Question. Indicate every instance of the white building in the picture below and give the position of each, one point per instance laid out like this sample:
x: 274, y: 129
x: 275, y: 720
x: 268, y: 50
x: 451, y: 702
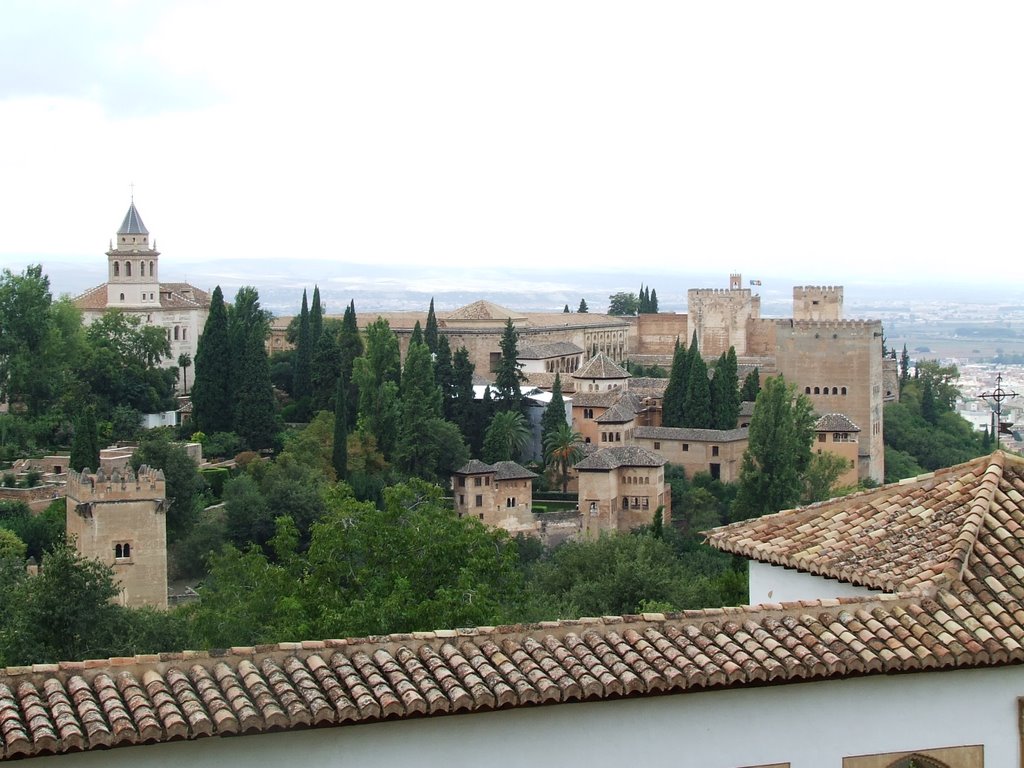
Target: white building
x: 919, y: 662
x: 133, y: 285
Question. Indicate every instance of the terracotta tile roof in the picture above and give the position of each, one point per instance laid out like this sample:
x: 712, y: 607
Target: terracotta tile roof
x: 509, y: 470
x: 502, y: 470
x: 623, y: 412
x: 94, y: 298
x: 483, y: 310
x: 600, y: 366
x: 929, y: 529
x: 544, y: 350
x: 620, y: 456
x: 694, y: 435
x: 835, y: 422
x: 604, y: 399
x: 965, y: 523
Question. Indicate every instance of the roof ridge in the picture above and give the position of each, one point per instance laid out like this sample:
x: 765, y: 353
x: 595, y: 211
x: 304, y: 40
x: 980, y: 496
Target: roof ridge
x: 988, y: 483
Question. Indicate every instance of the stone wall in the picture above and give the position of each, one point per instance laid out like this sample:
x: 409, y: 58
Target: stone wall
x: 720, y: 316
x: 657, y: 334
x: 119, y: 519
x: 818, y: 302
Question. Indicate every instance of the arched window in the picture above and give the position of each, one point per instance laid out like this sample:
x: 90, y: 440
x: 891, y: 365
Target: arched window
x: 142, y: 269
x: 127, y: 550
x: 817, y: 390
x: 128, y: 269
x: 177, y: 331
x: 152, y: 273
x: 835, y: 390
x: 117, y: 269
x: 843, y: 390
x: 122, y: 297
x: 184, y: 333
x: 807, y: 390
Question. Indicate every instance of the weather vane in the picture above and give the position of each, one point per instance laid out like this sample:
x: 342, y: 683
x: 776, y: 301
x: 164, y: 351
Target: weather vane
x: 997, y: 396
x: 132, y: 185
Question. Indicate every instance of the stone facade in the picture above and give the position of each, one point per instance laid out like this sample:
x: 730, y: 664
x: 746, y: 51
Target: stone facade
x: 836, y: 434
x: 133, y: 286
x: 719, y: 452
x: 499, y: 495
x: 818, y: 302
x: 119, y: 519
x: 719, y: 317
x: 620, y: 489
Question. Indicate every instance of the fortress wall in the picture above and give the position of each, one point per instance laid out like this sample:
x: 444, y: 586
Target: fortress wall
x: 833, y: 355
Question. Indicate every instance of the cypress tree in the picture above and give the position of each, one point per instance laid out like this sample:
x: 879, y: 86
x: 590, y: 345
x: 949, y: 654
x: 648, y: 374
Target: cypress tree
x: 316, y: 319
x: 325, y: 370
x: 725, y: 391
x: 444, y: 376
x: 509, y: 376
x: 583, y: 309
x: 339, y: 452
x: 566, y: 309
x: 417, y: 334
x: 697, y: 405
x: 554, y: 414
x: 675, y: 391
x: 85, y: 445
x: 751, y: 386
x: 214, y: 372
x: 652, y: 301
x: 350, y: 346
x: 420, y: 406
x: 301, y: 385
x: 463, y: 406
x: 255, y: 421
x: 430, y: 333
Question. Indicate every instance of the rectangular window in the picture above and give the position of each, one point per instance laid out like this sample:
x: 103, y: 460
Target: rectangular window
x: 821, y: 437
x: 462, y: 482
x: 479, y: 500
x: 478, y: 481
x: 686, y: 446
x: 714, y: 450
x: 657, y: 445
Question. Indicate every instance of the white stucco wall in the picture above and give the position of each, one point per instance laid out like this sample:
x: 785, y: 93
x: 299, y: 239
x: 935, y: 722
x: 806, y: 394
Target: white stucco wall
x: 809, y: 725
x: 774, y: 584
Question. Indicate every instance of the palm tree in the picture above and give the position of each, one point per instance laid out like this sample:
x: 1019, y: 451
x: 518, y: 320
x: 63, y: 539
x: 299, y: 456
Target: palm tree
x: 507, y: 435
x: 184, y: 361
x: 562, y: 450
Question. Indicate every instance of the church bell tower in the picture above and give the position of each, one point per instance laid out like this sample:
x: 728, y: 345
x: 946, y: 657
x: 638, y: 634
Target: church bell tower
x: 133, y: 266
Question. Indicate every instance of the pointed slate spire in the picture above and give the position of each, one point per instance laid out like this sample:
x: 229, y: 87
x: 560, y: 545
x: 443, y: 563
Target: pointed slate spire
x: 132, y: 224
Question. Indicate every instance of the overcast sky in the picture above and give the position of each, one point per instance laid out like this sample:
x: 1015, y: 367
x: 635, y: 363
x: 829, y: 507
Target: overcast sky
x: 825, y: 139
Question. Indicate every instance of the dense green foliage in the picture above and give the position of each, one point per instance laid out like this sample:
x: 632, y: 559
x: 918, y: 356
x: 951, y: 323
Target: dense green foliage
x: 922, y: 431
x: 509, y: 376
x: 778, y: 453
x: 85, y: 444
x: 211, y: 389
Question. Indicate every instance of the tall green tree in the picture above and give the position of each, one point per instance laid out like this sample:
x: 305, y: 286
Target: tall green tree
x: 778, y: 452
x: 444, y: 375
x: 420, y: 409
x: 325, y: 369
x: 123, y: 366
x: 697, y: 405
x: 301, y: 382
x: 377, y: 375
x: 507, y: 436
x: 904, y: 367
x: 25, y: 323
x: 85, y: 445
x: 652, y: 301
x: 339, y: 451
x: 350, y: 346
x: 562, y: 449
x: 184, y: 483
x: 212, y: 388
x: 184, y: 363
x: 565, y: 310
x: 464, y: 407
x: 751, y: 386
x: 430, y: 332
x: 675, y: 391
x: 623, y: 304
x: 554, y: 413
x: 316, y: 319
x: 509, y: 376
x: 725, y: 392
x: 254, y: 414
x: 583, y: 308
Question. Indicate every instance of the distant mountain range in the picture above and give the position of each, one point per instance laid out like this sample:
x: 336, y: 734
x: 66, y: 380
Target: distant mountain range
x: 527, y: 288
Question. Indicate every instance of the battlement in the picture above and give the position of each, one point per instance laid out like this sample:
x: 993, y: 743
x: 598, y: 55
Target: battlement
x: 119, y: 485
x: 719, y: 292
x: 819, y: 290
x: 830, y: 328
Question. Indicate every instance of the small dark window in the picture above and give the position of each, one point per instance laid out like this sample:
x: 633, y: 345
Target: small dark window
x: 122, y: 297
x: 479, y: 501
x: 821, y: 437
x: 117, y: 269
x: 686, y: 446
x: 478, y: 481
x: 714, y: 450
x: 817, y: 391
x: 657, y: 445
x: 842, y: 390
x: 462, y: 482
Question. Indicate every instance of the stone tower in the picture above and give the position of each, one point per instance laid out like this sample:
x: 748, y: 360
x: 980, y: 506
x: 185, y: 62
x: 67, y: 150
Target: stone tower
x: 120, y: 520
x: 818, y: 302
x: 133, y: 267
x: 720, y: 316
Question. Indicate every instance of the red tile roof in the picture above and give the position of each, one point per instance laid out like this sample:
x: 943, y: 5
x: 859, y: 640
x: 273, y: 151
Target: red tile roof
x: 959, y: 605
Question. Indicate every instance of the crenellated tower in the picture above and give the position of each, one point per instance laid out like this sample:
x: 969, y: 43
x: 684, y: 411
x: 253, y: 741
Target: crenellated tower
x: 119, y: 519
x: 818, y: 302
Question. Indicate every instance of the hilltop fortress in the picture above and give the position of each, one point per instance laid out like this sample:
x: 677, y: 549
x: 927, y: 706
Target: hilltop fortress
x: 836, y: 363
